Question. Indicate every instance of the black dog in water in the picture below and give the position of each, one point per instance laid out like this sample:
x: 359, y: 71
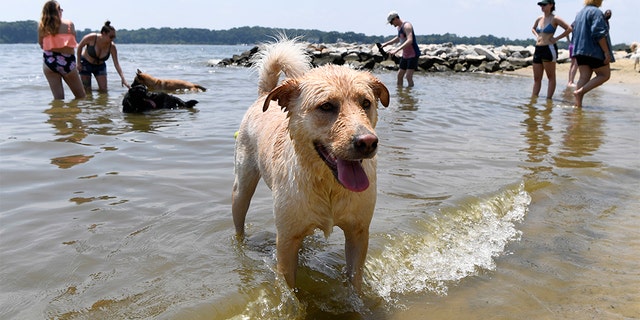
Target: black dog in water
x: 139, y: 99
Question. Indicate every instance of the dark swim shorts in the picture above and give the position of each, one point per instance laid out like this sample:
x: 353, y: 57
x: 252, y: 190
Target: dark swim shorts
x: 59, y: 62
x: 545, y: 53
x: 89, y: 68
x: 593, y: 63
x: 411, y: 63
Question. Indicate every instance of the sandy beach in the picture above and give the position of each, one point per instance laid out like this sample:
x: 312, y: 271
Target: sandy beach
x: 622, y: 75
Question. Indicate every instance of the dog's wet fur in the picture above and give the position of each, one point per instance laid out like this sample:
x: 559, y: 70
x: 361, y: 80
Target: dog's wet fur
x: 139, y: 99
x: 157, y: 84
x: 312, y: 140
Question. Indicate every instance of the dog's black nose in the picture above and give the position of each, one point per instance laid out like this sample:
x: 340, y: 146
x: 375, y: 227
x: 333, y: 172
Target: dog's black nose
x: 365, y: 144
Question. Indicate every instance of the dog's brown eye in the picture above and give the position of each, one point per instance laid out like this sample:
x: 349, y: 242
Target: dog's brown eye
x: 327, y: 107
x: 366, y: 104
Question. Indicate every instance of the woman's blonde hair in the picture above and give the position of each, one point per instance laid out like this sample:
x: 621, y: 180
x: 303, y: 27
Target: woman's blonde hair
x: 50, y: 20
x: 596, y: 3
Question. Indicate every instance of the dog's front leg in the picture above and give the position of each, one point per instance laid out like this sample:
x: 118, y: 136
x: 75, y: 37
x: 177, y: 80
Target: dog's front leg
x: 355, y: 247
x: 287, y: 255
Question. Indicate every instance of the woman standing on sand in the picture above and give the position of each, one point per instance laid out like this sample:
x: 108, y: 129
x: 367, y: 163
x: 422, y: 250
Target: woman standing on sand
x: 546, y: 53
x: 592, y: 49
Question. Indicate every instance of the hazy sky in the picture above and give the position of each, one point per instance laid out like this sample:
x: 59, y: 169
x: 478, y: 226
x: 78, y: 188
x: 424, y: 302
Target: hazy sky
x: 502, y: 18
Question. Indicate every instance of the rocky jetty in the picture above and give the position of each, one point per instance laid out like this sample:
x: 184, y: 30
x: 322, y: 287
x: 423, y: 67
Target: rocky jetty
x: 434, y: 57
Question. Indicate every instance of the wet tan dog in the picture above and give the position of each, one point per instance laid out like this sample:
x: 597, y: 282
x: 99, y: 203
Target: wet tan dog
x: 164, y: 84
x: 316, y: 150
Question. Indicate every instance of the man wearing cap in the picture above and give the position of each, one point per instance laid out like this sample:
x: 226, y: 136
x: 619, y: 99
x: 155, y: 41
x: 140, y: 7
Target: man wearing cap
x: 408, y: 45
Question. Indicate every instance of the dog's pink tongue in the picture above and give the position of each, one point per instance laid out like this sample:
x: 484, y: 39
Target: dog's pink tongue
x: 352, y: 175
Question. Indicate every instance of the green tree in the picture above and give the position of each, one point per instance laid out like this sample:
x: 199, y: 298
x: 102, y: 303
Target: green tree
x: 19, y: 32
x: 27, y: 32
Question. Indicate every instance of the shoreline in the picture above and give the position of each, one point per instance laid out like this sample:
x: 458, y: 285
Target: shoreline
x: 502, y: 60
x: 624, y: 79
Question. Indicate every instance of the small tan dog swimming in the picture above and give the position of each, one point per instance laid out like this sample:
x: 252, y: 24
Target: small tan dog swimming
x: 312, y: 141
x: 154, y: 83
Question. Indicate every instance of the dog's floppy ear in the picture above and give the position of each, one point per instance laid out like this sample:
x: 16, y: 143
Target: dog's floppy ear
x: 381, y: 91
x: 284, y: 93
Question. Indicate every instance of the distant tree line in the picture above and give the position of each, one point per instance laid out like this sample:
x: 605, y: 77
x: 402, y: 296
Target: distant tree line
x: 27, y: 32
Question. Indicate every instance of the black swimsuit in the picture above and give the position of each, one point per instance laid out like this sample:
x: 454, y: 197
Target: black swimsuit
x: 91, y: 51
x: 88, y: 68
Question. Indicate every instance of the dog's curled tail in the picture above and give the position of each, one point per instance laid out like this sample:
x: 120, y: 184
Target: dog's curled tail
x: 284, y: 55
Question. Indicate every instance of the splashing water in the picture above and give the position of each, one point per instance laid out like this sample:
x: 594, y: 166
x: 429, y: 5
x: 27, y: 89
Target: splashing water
x: 458, y: 243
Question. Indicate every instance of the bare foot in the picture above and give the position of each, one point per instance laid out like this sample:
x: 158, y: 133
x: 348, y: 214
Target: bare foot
x: 578, y: 95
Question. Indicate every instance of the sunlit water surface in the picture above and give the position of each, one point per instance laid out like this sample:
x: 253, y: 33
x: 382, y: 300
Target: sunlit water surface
x: 491, y: 205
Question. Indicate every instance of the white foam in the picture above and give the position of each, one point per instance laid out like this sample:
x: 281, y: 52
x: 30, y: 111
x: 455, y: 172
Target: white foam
x: 456, y: 244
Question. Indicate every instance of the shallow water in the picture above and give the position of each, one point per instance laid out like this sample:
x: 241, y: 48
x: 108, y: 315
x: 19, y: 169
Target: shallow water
x: 490, y: 205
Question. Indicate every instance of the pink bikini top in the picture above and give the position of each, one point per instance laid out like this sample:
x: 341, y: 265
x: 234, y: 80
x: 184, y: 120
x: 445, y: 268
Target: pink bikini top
x: 60, y: 40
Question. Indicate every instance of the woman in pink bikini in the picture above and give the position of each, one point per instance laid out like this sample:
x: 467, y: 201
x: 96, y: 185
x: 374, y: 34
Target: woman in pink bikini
x: 57, y: 38
x: 546, y: 52
x: 93, y: 52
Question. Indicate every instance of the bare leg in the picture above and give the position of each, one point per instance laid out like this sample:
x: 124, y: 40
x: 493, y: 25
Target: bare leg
x: 401, y: 73
x: 75, y: 84
x: 55, y: 82
x: 550, y: 70
x: 573, y: 69
x: 583, y: 78
x: 410, y: 77
x: 86, y: 82
x: 538, y: 71
x: 585, y: 84
x: 102, y: 83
